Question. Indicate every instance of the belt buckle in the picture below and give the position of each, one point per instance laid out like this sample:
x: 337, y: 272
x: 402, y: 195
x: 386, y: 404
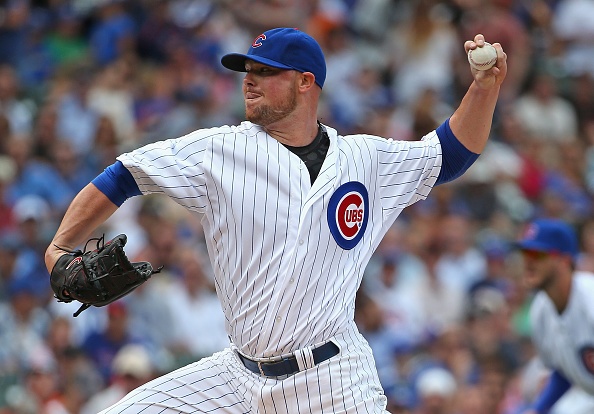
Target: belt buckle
x: 260, y: 369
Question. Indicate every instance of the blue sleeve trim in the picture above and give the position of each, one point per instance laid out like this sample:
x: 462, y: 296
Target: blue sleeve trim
x: 117, y: 183
x: 456, y: 158
x: 555, y: 388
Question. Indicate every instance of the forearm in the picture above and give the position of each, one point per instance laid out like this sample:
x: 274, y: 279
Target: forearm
x: 471, y: 122
x: 89, y: 209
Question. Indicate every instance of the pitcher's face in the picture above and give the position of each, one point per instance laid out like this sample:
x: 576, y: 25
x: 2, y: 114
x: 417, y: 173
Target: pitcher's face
x: 270, y: 94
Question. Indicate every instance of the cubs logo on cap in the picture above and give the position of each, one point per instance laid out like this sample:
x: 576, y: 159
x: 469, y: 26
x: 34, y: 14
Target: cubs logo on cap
x: 550, y: 235
x: 258, y: 40
x: 348, y: 213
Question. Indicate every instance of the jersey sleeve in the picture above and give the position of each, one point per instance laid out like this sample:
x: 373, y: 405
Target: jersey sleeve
x: 456, y: 157
x: 172, y: 167
x: 538, y: 327
x: 117, y: 183
x: 585, y: 285
x: 407, y: 170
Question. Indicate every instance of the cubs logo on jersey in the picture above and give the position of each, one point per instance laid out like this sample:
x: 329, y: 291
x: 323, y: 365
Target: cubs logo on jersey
x: 348, y: 212
x: 587, y: 354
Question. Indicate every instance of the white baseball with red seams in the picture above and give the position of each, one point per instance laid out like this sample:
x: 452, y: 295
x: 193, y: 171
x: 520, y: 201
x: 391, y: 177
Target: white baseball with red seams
x: 483, y: 58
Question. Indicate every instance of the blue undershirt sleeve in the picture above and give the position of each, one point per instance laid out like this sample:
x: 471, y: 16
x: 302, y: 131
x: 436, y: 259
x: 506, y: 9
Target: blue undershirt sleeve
x: 117, y: 183
x: 456, y: 158
x: 555, y: 388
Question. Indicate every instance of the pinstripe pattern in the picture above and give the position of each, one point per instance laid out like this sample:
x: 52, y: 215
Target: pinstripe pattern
x: 283, y: 281
x: 559, y: 338
x: 220, y: 384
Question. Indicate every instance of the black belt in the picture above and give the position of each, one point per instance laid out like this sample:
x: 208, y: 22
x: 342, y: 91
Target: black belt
x: 288, y: 365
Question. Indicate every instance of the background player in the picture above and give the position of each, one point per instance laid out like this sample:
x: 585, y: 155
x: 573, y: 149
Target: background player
x: 562, y: 313
x: 292, y: 212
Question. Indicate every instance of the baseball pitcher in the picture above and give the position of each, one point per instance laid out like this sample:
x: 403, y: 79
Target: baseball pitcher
x: 292, y: 211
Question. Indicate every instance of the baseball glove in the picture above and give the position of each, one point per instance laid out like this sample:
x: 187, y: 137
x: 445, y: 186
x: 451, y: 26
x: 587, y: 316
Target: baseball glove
x: 98, y: 277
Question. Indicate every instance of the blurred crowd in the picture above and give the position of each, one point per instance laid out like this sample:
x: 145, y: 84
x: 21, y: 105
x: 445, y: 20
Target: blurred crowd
x: 442, y: 302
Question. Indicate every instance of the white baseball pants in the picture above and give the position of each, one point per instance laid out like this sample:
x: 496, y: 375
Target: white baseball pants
x: 345, y: 383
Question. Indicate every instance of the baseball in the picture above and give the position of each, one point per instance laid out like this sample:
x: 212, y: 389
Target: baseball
x: 483, y: 58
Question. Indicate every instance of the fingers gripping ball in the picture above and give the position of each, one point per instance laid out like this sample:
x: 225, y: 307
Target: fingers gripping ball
x: 483, y: 58
x: 98, y: 277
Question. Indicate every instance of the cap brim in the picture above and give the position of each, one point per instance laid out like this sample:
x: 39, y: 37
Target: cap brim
x: 236, y: 62
x: 533, y: 245
x: 540, y: 247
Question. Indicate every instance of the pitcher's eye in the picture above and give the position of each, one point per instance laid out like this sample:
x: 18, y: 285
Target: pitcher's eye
x: 262, y: 70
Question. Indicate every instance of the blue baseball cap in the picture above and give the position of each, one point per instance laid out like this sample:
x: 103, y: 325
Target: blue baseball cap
x: 283, y: 48
x: 551, y: 236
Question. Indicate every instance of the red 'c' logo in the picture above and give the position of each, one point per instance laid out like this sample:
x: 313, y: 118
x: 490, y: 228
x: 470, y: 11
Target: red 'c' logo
x: 349, y: 214
x: 258, y: 40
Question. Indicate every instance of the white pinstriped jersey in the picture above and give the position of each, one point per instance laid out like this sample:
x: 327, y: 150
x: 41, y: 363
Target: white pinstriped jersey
x: 274, y: 239
x: 565, y: 341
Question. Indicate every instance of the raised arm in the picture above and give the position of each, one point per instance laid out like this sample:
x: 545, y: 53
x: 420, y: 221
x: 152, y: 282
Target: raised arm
x: 471, y: 122
x: 89, y: 209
